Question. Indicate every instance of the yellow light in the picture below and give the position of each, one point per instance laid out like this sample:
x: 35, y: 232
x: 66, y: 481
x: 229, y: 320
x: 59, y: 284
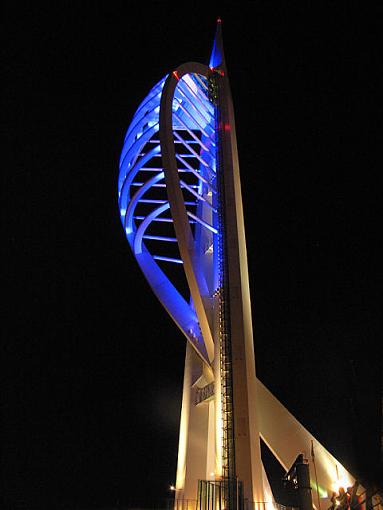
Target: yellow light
x: 342, y: 482
x: 172, y: 488
x: 341, y: 479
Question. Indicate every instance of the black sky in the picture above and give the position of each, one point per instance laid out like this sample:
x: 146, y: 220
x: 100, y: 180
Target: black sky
x: 93, y: 371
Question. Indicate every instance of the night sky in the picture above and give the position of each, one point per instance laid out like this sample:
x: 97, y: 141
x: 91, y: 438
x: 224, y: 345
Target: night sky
x: 93, y: 364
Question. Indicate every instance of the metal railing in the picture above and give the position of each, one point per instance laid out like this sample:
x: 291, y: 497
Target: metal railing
x: 183, y: 504
x: 205, y: 393
x: 367, y: 500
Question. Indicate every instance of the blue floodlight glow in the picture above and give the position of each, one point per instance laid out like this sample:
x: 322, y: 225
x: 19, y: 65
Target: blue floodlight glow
x: 143, y: 201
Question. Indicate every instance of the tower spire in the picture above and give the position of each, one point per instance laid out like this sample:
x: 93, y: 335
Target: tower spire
x: 217, y: 57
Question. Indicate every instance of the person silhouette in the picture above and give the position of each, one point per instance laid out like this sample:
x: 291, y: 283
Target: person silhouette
x: 343, y: 499
x: 333, y: 502
x: 352, y: 497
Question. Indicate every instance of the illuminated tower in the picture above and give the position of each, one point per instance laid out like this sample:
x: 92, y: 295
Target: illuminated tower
x: 181, y: 209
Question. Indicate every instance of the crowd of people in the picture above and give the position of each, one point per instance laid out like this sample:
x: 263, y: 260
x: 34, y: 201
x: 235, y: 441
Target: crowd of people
x: 344, y: 500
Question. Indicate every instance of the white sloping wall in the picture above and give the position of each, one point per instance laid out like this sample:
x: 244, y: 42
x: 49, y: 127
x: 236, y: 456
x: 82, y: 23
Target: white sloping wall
x: 286, y: 438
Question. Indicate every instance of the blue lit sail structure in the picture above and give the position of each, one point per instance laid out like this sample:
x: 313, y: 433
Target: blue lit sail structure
x: 181, y: 208
x: 143, y: 201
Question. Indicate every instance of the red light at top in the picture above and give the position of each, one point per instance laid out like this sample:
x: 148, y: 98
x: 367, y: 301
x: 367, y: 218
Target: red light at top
x: 219, y: 20
x: 175, y: 74
x: 218, y: 71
